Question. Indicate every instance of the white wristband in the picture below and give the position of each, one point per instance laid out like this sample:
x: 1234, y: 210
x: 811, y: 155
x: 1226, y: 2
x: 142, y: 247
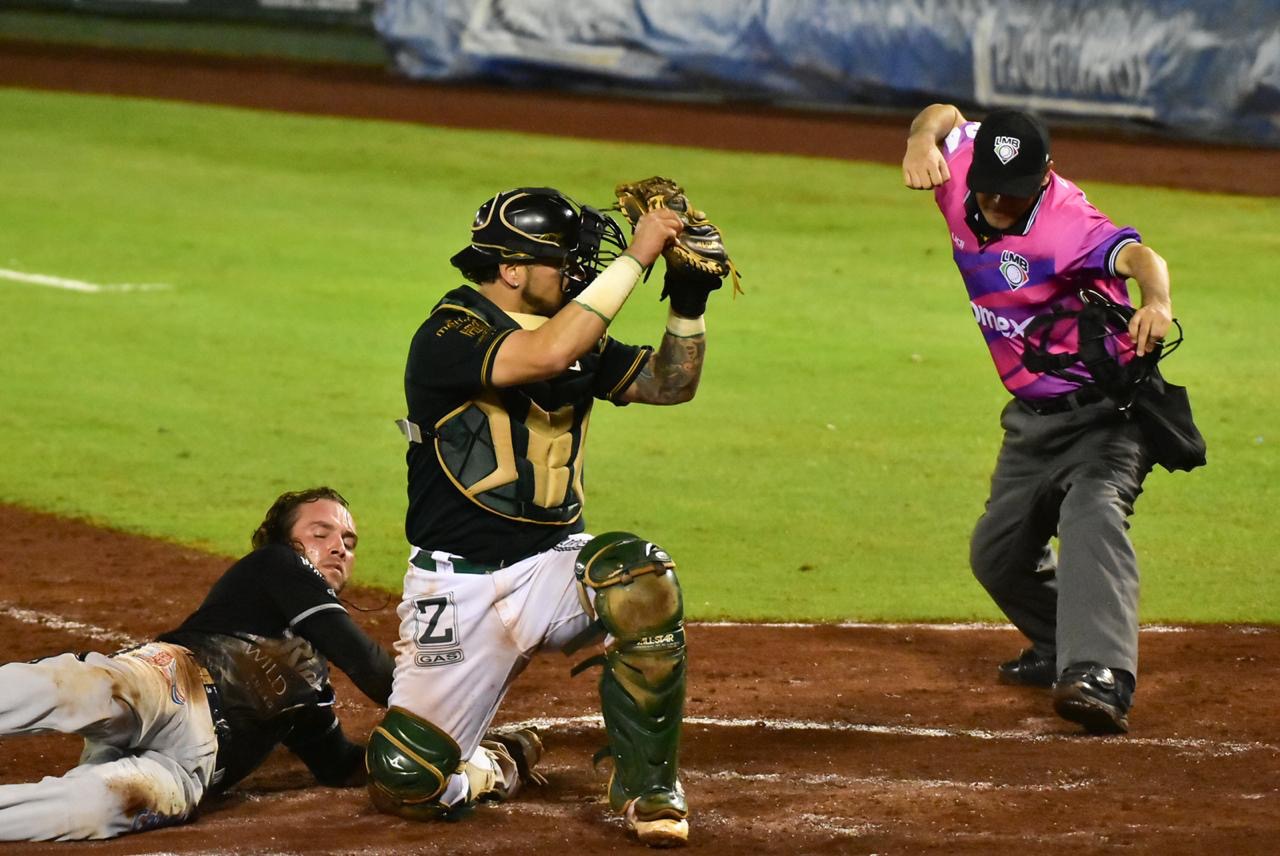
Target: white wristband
x: 685, y: 328
x: 608, y: 291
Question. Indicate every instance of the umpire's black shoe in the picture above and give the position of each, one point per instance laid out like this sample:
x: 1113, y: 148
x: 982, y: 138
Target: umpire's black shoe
x: 1031, y: 669
x: 1094, y: 696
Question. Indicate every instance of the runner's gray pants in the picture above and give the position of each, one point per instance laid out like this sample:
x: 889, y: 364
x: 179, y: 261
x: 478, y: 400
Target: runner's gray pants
x: 150, y: 744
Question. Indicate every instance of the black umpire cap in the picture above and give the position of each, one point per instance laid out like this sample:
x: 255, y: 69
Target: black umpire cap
x: 1010, y: 153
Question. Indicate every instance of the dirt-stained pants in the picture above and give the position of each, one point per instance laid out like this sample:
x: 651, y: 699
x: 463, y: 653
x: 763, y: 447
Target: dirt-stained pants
x: 149, y: 749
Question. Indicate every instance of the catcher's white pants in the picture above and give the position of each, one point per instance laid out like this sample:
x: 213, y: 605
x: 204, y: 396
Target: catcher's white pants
x: 149, y: 747
x: 464, y: 638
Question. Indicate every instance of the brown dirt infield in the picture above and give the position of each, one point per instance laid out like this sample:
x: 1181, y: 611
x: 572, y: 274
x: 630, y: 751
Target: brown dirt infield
x: 809, y: 739
x: 814, y: 739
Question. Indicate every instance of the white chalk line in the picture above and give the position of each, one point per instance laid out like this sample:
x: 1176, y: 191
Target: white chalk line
x: 1213, y: 748
x: 67, y: 284
x: 835, y: 826
x: 45, y: 619
x: 880, y: 783
x: 954, y: 627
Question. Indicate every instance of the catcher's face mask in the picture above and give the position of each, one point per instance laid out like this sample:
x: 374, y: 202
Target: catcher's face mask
x: 1100, y: 359
x: 600, y: 241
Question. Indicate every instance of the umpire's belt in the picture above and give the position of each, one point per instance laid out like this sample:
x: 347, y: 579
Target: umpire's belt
x: 422, y: 559
x: 1081, y: 397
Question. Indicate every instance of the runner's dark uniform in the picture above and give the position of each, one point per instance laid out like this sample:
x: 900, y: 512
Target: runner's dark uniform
x: 266, y: 633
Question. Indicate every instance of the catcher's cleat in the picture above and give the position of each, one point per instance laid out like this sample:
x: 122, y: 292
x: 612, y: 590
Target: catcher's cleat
x: 1094, y: 696
x: 659, y: 818
x: 657, y: 826
x: 524, y: 747
x: 1030, y: 669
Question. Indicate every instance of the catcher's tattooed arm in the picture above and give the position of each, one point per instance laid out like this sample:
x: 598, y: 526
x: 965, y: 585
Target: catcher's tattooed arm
x: 671, y: 374
x: 532, y: 355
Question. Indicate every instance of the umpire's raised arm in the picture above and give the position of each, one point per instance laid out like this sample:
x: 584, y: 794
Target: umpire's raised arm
x: 923, y: 167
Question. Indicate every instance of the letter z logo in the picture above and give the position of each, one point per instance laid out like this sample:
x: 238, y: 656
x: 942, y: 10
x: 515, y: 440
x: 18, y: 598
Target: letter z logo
x: 436, y: 620
x: 436, y: 632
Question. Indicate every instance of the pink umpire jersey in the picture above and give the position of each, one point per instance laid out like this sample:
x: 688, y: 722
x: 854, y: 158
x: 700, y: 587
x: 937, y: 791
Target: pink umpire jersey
x: 1063, y: 245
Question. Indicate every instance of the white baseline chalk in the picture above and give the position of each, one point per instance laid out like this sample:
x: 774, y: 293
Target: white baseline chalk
x: 66, y: 284
x: 45, y: 619
x: 1214, y: 748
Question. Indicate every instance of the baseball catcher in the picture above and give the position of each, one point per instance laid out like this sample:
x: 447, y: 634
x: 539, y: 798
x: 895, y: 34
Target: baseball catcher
x: 500, y: 381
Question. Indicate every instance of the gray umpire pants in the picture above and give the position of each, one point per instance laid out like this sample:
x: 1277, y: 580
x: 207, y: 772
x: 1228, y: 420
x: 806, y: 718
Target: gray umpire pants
x: 1075, y: 474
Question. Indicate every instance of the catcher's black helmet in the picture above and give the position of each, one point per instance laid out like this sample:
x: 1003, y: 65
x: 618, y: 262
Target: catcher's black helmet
x: 541, y: 224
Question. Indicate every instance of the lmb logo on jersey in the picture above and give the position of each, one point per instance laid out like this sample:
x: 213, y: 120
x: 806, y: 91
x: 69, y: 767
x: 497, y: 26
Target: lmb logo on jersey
x: 1014, y: 268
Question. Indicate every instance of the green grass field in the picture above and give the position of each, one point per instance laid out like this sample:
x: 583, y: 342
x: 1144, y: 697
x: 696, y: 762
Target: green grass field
x: 830, y: 468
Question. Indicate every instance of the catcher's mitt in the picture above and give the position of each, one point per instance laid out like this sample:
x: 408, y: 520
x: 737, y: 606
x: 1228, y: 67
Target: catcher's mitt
x: 699, y: 248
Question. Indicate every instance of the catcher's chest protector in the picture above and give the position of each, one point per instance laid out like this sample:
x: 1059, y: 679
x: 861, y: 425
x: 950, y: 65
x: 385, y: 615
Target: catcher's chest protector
x: 518, y: 452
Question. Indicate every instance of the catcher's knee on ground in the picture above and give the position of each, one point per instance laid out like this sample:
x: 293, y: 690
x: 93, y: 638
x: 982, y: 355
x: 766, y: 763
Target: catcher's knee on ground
x: 638, y: 603
x: 411, y: 765
x: 416, y: 771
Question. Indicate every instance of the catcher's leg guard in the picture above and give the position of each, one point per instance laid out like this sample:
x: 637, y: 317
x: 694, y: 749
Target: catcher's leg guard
x: 638, y: 603
x: 410, y: 762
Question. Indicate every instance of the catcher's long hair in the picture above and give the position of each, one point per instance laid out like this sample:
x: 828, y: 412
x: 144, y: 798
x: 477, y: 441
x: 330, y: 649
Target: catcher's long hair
x: 283, y: 513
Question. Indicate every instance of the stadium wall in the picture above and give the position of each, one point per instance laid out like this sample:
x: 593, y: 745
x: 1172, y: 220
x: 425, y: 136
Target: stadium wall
x: 1181, y: 68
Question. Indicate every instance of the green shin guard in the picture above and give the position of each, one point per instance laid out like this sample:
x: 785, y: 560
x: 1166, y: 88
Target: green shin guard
x: 642, y: 697
x: 638, y: 603
x: 409, y: 762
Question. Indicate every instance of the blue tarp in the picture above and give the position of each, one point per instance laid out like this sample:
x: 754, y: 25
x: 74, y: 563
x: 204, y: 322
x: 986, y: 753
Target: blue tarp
x: 1204, y: 70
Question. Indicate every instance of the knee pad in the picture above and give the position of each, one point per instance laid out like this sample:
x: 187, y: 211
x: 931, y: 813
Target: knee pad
x: 410, y: 762
x: 638, y: 602
x: 637, y: 596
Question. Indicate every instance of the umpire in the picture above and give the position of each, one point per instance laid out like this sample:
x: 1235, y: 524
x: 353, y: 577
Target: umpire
x: 1035, y: 255
x: 171, y: 722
